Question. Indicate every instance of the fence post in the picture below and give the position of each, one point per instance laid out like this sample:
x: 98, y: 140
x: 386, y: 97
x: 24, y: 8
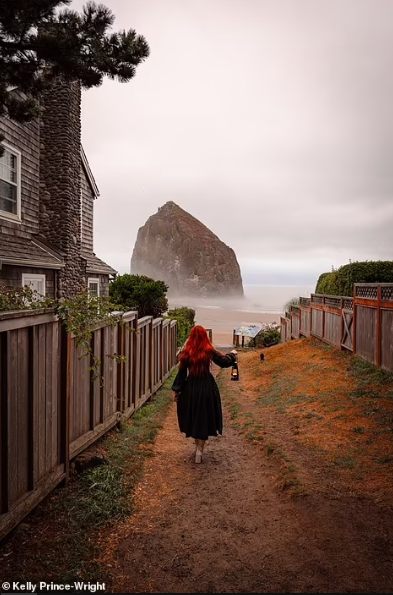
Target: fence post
x: 170, y: 340
x: 92, y: 383
x: 354, y: 321
x: 176, y: 343
x: 120, y: 366
x: 151, y: 356
x: 341, y: 325
x: 4, y: 404
x: 174, y: 346
x: 65, y: 395
x: 161, y: 352
x: 136, y: 363
x: 379, y: 324
x: 32, y: 406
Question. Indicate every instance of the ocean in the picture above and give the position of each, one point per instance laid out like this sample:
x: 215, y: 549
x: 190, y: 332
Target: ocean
x: 261, y: 304
x: 268, y: 299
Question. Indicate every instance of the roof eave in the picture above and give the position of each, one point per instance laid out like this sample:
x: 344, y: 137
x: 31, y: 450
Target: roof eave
x: 89, y: 174
x: 101, y: 271
x: 32, y: 263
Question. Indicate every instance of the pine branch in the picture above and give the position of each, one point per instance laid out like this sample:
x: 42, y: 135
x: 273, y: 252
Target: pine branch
x: 38, y: 43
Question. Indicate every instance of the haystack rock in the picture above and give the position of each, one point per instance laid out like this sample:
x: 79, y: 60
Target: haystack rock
x: 175, y: 247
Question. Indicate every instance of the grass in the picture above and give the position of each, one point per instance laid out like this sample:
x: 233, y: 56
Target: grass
x: 335, y: 409
x: 346, y: 462
x: 270, y: 448
x: 95, y: 499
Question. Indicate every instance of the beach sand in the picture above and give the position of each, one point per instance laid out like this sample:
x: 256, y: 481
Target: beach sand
x: 223, y: 322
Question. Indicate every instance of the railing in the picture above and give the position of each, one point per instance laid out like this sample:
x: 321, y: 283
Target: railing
x: 53, y: 405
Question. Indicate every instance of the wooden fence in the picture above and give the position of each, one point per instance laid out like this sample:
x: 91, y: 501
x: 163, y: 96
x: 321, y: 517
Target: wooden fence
x: 53, y: 405
x: 362, y: 324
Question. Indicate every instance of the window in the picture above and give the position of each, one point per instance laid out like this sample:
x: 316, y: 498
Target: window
x: 10, y: 183
x: 94, y: 287
x: 36, y: 282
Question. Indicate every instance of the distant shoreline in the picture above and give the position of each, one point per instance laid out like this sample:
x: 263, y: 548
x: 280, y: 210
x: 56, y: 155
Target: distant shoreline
x: 261, y: 304
x: 223, y: 321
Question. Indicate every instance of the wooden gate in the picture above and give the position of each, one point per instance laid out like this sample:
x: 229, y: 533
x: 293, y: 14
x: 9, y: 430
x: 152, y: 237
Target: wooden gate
x: 347, y: 324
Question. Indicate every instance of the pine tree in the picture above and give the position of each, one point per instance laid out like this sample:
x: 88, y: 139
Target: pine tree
x: 43, y: 39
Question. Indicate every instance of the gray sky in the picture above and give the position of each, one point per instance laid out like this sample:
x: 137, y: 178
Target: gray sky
x: 268, y: 120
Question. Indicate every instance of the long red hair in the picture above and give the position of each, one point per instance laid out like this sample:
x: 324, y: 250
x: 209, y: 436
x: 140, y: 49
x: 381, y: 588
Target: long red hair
x: 198, y: 352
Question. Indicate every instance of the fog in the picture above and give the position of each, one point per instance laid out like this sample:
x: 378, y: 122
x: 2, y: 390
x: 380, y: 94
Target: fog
x: 268, y: 120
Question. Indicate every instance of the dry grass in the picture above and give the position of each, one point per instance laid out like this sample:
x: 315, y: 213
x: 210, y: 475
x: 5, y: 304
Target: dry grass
x: 309, y: 398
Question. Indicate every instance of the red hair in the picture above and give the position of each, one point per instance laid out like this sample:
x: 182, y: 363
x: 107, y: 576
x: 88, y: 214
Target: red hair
x: 198, y: 352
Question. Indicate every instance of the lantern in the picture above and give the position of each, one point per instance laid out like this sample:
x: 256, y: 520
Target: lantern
x: 235, y: 371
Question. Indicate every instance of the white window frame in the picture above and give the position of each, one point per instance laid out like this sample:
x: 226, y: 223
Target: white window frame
x: 4, y: 214
x: 36, y: 277
x: 94, y: 280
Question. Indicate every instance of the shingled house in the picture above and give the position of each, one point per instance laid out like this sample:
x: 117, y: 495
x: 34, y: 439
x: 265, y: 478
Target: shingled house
x: 47, y: 194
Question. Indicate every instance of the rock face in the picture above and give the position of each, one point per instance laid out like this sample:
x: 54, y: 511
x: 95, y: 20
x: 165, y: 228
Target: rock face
x: 176, y: 248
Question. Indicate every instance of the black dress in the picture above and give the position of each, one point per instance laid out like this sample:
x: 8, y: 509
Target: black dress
x: 199, y: 405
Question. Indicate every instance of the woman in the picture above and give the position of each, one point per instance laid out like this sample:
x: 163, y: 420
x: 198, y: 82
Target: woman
x: 196, y: 392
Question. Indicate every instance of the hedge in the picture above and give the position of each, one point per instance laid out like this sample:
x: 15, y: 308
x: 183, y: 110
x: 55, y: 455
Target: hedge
x: 185, y: 321
x: 341, y: 282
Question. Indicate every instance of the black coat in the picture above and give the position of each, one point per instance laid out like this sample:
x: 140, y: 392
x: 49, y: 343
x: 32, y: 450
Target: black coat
x: 199, y: 410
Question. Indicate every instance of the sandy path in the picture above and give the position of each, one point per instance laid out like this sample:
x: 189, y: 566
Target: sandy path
x: 222, y: 527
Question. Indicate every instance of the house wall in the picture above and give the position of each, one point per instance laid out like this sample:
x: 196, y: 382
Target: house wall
x: 87, y: 214
x: 60, y: 181
x: 11, y: 277
x: 26, y: 139
x: 104, y: 285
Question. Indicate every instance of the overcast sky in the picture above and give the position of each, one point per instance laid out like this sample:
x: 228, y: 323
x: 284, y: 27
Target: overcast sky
x: 268, y: 120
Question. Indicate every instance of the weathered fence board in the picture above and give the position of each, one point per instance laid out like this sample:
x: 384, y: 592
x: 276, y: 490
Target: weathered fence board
x: 295, y: 319
x: 387, y: 339
x: 332, y: 328
x: 316, y: 323
x: 283, y: 329
x: 366, y: 325
x: 52, y: 403
x: 131, y: 372
x: 305, y: 317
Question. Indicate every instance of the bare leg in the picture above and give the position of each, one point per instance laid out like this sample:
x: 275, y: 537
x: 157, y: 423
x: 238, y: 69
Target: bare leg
x: 199, y: 450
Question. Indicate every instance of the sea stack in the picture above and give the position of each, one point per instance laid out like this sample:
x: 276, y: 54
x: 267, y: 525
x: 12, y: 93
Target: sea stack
x: 175, y: 247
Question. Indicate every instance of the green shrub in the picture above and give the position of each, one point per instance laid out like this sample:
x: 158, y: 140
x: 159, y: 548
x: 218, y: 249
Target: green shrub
x: 341, y: 281
x: 269, y: 335
x: 139, y: 292
x: 185, y: 321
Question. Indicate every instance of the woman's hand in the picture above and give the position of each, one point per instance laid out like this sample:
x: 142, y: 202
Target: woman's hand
x: 176, y: 397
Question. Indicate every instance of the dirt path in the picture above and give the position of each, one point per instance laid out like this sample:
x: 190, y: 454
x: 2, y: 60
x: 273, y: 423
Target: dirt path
x: 223, y: 527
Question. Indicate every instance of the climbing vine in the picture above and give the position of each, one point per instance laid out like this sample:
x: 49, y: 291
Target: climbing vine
x: 78, y: 315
